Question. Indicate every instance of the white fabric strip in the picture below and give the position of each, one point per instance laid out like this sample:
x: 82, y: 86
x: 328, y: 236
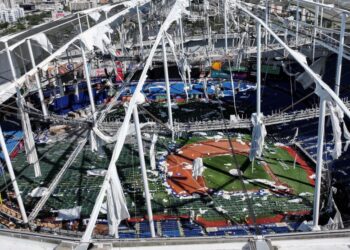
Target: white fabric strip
x: 258, y: 136
x: 43, y: 41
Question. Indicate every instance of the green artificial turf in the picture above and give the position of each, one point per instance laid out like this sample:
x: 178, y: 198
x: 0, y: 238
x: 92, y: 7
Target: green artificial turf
x: 78, y: 189
x: 282, y: 165
x: 217, y: 174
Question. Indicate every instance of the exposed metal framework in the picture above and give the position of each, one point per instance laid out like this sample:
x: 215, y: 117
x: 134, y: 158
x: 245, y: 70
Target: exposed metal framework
x: 175, y: 17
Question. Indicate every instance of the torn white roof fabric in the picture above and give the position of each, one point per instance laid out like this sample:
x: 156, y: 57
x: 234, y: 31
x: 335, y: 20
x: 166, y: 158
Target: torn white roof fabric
x: 318, y: 67
x: 198, y: 167
x: 336, y: 116
x: 38, y: 192
x: 43, y: 41
x: 114, y: 138
x: 96, y: 172
x: 95, y: 15
x: 116, y: 204
x: 152, y: 154
x: 69, y: 214
x: 96, y: 37
x: 346, y: 134
x: 258, y: 136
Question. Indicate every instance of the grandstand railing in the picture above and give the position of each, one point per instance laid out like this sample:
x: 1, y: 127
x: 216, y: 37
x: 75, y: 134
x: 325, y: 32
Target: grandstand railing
x: 273, y: 119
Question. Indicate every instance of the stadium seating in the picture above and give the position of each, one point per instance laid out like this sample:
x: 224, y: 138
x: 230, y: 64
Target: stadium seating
x: 13, y: 136
x: 191, y: 229
x: 170, y: 228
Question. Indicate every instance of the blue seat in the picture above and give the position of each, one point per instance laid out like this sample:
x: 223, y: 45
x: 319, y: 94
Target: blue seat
x: 218, y: 233
x: 127, y: 235
x: 60, y: 103
x: 281, y: 229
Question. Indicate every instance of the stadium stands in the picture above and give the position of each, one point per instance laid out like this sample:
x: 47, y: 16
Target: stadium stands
x: 13, y: 137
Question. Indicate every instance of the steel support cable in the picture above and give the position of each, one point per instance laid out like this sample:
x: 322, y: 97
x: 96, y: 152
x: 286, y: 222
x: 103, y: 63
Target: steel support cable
x: 40, y: 204
x: 15, y: 109
x: 204, y: 38
x: 235, y: 161
x: 275, y: 9
x: 51, y: 118
x: 300, y: 100
x: 266, y: 60
x: 55, y: 77
x: 22, y: 79
x: 233, y: 87
x: 281, y: 53
x: 303, y: 33
x: 36, y: 113
x: 110, y: 105
x: 316, y: 38
x: 60, y: 75
x: 164, y: 144
x: 48, y: 151
x: 297, y: 102
x: 154, y: 117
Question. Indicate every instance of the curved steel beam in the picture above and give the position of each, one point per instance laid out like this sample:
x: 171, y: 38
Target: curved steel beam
x: 174, y: 14
x: 296, y: 56
x: 10, y: 88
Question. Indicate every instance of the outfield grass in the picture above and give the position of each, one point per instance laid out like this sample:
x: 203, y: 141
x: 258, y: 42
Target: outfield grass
x: 281, y: 164
x: 217, y: 174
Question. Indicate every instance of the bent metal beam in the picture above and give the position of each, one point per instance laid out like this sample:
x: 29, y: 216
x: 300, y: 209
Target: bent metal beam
x: 174, y: 14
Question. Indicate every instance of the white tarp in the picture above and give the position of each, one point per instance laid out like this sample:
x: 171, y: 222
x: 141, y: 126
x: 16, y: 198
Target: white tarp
x: 140, y: 99
x: 43, y: 41
x: 258, y: 136
x: 305, y: 227
x: 104, y: 209
x: 97, y: 38
x: 346, y: 136
x: 337, y: 115
x: 116, y: 204
x: 318, y: 67
x: 96, y: 172
x: 295, y: 135
x: 198, y: 167
x: 95, y: 15
x: 299, y: 56
x: 234, y: 172
x: 93, y: 141
x: 152, y: 155
x: 179, y: 66
x: 29, y: 143
x: 69, y: 214
x: 114, y: 138
x: 337, y: 220
x: 38, y: 192
x: 174, y: 14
